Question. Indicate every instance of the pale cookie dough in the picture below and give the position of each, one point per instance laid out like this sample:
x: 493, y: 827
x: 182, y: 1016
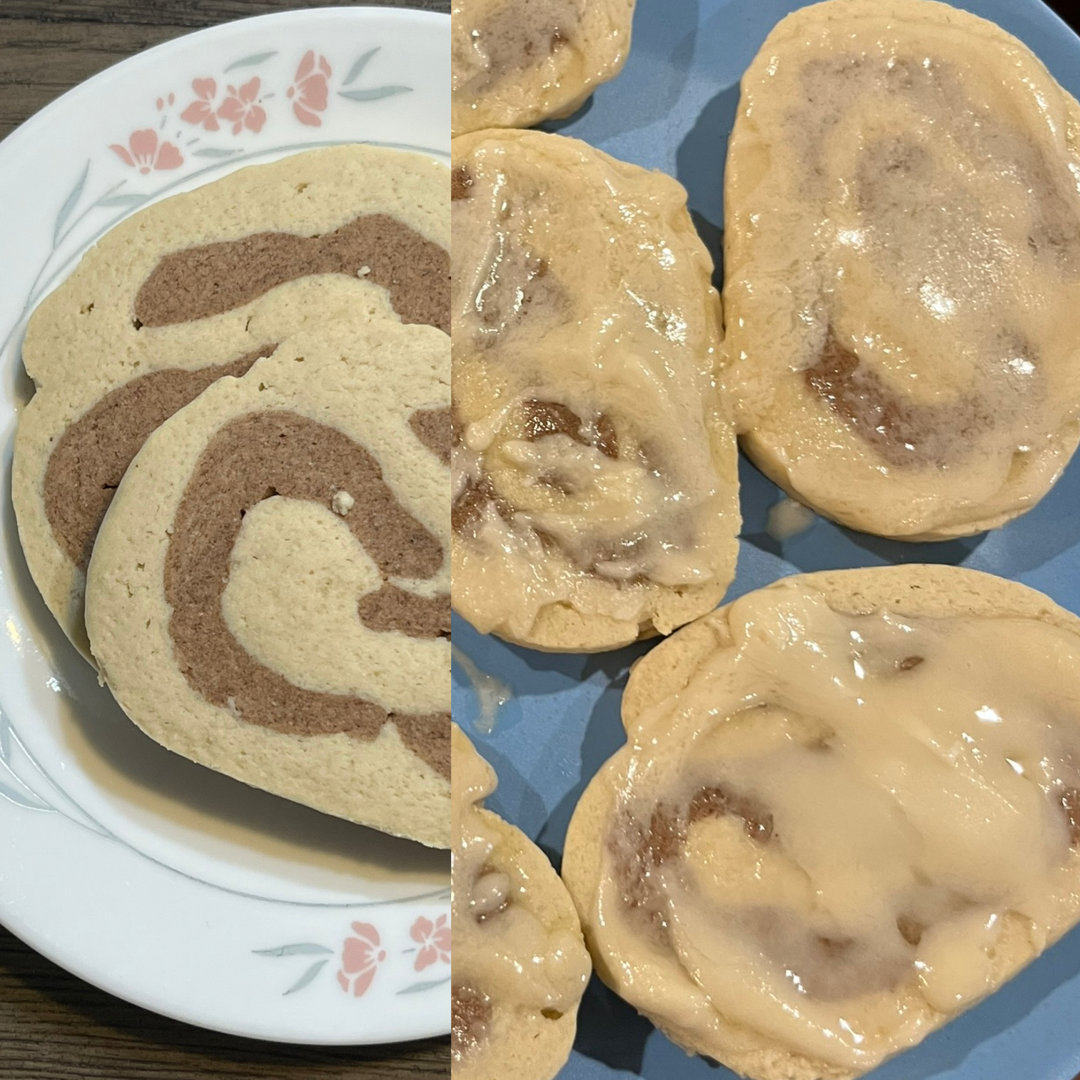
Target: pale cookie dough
x: 902, y: 268
x: 520, y: 966
x: 242, y: 620
x: 197, y: 287
x: 516, y: 62
x: 595, y: 482
x: 848, y: 809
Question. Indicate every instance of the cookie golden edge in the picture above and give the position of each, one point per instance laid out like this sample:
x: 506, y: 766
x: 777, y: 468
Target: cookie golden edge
x: 547, y: 1045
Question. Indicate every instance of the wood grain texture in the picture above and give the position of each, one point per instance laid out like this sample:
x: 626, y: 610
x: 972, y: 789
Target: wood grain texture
x: 53, y: 1026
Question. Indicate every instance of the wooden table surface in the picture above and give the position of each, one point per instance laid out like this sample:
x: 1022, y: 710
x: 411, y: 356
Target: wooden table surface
x: 53, y: 1025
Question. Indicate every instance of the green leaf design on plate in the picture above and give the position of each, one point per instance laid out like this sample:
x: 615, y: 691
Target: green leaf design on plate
x: 419, y: 987
x: 121, y: 200
x: 305, y: 948
x: 251, y: 61
x: 22, y: 794
x: 374, y: 94
x: 307, y: 978
x: 359, y: 65
x: 25, y: 798
x: 213, y: 152
x: 69, y: 204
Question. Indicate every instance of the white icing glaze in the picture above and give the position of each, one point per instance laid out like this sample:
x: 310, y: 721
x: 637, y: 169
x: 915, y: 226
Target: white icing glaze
x: 911, y: 787
x: 903, y: 186
x: 491, y: 692
x: 585, y: 335
x: 499, y: 40
x: 788, y: 518
x: 508, y: 943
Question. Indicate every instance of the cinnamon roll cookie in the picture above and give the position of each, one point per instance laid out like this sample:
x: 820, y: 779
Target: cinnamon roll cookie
x: 269, y: 590
x: 197, y: 287
x: 516, y: 62
x: 595, y: 485
x: 902, y: 259
x: 848, y: 808
x: 520, y: 966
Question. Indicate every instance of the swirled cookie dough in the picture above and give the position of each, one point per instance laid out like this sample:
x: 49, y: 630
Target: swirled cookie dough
x: 848, y: 808
x: 520, y: 966
x: 269, y: 591
x: 515, y: 63
x: 595, y: 485
x: 198, y: 287
x: 902, y: 260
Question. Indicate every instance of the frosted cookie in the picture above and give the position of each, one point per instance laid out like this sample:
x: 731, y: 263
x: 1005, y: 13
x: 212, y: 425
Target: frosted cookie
x: 520, y: 966
x: 516, y: 63
x: 197, y: 287
x: 595, y: 485
x: 902, y: 261
x: 269, y: 590
x: 848, y: 809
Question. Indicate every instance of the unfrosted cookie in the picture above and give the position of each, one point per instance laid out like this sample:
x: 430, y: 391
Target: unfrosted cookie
x: 194, y: 288
x: 848, y: 809
x: 516, y: 62
x: 902, y: 261
x: 520, y: 966
x: 269, y: 590
x: 595, y: 484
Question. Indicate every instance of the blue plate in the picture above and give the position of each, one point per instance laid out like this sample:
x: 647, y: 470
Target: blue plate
x: 672, y: 109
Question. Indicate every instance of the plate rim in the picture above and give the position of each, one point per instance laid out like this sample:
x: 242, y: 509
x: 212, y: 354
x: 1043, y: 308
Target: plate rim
x: 154, y: 51
x: 410, y: 1023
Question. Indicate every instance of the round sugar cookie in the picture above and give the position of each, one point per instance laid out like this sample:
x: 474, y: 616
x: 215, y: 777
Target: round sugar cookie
x: 848, y: 809
x: 902, y: 267
x: 516, y: 63
x: 520, y: 966
x: 269, y: 590
x: 594, y: 464
x: 197, y: 287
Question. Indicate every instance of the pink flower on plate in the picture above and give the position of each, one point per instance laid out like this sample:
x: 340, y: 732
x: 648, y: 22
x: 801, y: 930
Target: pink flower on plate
x: 201, y: 110
x: 310, y: 89
x: 360, y: 959
x: 434, y: 939
x: 145, y: 153
x: 241, y: 107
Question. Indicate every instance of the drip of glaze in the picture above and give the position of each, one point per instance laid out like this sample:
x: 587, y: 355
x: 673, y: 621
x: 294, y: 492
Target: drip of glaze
x: 491, y: 692
x: 788, y: 518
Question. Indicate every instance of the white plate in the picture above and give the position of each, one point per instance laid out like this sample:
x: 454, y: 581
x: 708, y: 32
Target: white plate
x: 157, y: 880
